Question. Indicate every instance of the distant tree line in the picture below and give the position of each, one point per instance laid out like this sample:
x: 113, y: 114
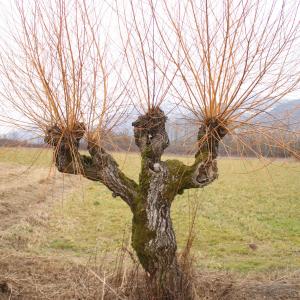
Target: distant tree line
x: 185, y: 144
x: 10, y: 142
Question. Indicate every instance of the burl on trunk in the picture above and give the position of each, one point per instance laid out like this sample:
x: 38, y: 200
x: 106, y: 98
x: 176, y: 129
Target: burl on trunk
x: 150, y: 199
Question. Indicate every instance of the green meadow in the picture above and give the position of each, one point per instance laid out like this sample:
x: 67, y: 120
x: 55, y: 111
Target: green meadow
x: 246, y: 221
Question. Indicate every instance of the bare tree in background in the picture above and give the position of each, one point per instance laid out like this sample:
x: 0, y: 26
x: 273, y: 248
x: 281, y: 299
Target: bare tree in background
x: 223, y: 62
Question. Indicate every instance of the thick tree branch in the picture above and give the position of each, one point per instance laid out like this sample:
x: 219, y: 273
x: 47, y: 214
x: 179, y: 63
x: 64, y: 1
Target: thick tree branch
x: 201, y: 173
x: 100, y: 166
x: 111, y: 176
x: 204, y: 169
x: 151, y: 138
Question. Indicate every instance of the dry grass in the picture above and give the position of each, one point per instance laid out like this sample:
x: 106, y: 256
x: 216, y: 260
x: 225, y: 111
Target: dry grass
x: 24, y: 277
x: 249, y: 203
x: 66, y: 271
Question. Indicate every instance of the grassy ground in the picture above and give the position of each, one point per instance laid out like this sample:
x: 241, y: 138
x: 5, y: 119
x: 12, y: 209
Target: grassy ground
x: 247, y: 205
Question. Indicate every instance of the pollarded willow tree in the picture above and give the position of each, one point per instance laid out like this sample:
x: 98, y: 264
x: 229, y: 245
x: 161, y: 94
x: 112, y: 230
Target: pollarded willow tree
x: 222, y: 62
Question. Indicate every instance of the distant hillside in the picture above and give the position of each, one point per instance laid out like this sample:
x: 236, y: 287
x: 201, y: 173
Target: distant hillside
x: 288, y: 105
x: 287, y: 112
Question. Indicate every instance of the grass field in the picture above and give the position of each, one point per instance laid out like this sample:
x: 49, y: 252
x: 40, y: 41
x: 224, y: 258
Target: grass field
x: 248, y: 204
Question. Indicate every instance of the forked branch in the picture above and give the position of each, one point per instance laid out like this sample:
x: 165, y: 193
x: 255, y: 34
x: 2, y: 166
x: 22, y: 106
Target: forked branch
x: 152, y: 139
x: 99, y: 166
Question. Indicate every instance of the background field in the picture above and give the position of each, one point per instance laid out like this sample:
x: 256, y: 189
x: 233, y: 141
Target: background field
x: 249, y: 206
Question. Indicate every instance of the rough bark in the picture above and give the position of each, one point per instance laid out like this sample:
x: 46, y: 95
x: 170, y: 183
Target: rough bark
x: 153, y: 237
x: 99, y: 166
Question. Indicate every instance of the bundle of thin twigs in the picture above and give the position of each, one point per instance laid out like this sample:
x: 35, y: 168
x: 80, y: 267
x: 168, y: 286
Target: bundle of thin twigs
x: 58, y: 70
x: 236, y: 60
x: 222, y: 62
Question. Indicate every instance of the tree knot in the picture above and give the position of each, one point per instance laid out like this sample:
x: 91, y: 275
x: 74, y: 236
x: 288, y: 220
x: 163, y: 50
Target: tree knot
x: 210, y: 133
x: 150, y: 133
x: 65, y: 137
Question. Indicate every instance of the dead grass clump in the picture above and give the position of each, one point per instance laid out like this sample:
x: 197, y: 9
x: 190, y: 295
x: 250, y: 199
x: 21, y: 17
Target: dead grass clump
x: 24, y: 277
x: 227, y: 286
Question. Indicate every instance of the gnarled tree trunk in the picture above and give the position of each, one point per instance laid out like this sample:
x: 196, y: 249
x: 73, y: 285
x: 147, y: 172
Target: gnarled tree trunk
x: 150, y: 200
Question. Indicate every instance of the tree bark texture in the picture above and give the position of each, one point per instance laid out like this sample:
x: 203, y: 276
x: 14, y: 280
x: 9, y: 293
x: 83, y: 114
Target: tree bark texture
x: 150, y: 199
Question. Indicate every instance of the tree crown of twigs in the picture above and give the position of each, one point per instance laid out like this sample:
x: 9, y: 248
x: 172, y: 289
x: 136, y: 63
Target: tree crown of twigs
x: 227, y: 61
